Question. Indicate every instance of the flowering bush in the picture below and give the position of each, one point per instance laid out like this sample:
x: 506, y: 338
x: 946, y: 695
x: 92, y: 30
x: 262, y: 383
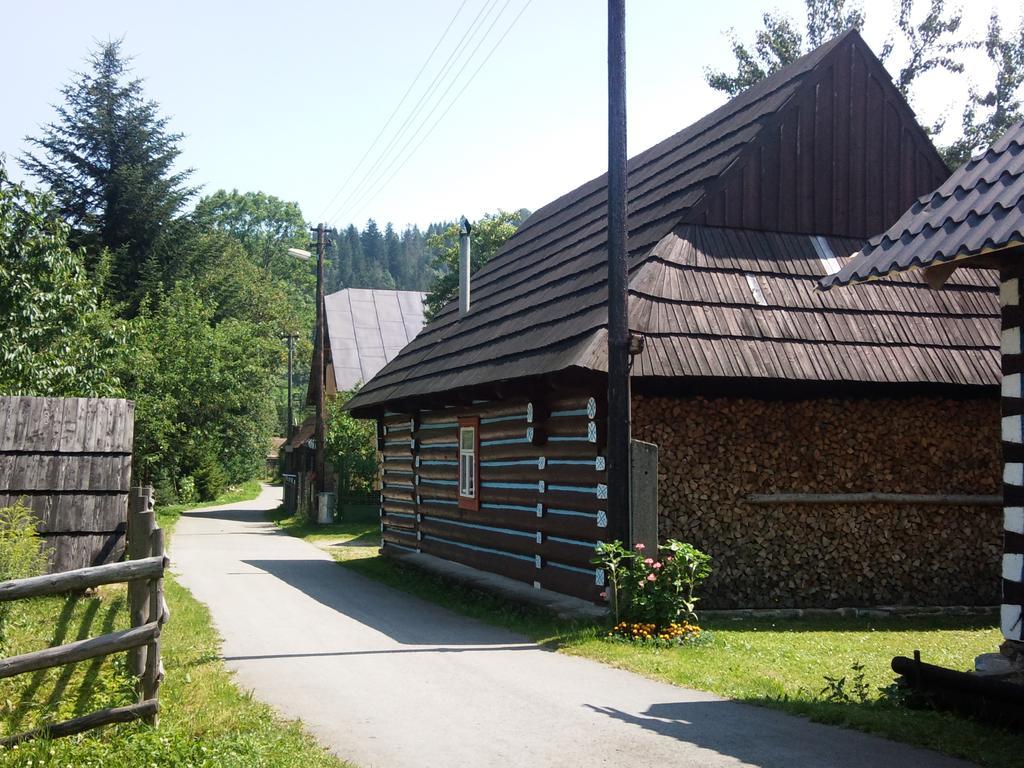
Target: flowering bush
x: 657, y: 590
x: 673, y: 634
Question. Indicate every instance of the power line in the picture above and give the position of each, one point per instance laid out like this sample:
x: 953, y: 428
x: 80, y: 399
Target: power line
x: 451, y: 104
x: 427, y: 94
x: 401, y: 101
x: 440, y: 99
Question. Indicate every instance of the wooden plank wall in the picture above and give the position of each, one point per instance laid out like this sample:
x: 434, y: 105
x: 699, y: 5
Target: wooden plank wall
x: 69, y: 460
x: 542, y: 490
x: 845, y: 157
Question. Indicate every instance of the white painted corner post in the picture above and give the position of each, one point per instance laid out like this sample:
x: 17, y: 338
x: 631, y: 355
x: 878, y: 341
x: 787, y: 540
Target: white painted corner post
x: 1012, y: 405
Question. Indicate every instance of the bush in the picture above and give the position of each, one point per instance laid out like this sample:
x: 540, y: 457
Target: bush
x: 21, y: 549
x: 21, y: 555
x: 351, y: 446
x: 187, y: 493
x: 210, y: 479
x: 653, y: 590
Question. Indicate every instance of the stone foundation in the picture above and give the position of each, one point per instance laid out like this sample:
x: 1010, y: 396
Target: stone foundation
x: 714, y: 453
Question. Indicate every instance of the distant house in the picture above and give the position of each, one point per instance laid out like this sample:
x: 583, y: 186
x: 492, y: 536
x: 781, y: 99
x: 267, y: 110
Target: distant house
x: 805, y: 438
x: 975, y: 220
x: 365, y: 330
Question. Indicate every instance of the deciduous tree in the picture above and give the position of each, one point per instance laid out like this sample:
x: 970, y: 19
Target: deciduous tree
x: 56, y: 336
x: 486, y: 238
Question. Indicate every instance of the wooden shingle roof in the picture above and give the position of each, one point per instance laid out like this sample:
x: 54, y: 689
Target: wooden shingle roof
x: 726, y: 303
x: 980, y: 208
x: 794, y: 153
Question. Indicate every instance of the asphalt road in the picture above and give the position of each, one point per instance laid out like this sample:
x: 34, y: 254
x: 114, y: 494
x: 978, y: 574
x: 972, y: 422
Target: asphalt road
x: 384, y: 679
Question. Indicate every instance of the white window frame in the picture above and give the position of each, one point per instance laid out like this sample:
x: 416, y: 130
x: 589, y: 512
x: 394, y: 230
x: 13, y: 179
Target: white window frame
x: 469, y: 464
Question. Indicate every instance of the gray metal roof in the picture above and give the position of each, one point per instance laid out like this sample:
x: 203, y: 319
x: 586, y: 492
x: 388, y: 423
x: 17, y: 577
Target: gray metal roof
x: 979, y: 209
x: 367, y: 329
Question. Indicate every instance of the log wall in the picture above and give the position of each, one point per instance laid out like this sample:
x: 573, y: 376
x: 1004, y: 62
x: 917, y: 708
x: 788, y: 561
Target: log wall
x: 69, y: 460
x: 715, y: 453
x: 542, y: 488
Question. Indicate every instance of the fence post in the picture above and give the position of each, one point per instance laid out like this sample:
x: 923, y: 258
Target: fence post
x: 141, y: 523
x: 154, y: 670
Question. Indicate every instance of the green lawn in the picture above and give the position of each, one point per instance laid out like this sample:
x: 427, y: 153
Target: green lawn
x: 779, y: 664
x: 205, y: 721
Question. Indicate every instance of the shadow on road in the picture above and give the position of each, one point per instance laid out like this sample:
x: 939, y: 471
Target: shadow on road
x: 233, y: 515
x: 759, y: 737
x: 388, y: 652
x: 403, y: 618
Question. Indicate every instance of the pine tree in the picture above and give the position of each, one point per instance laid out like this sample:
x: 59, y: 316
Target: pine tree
x: 109, y: 163
x: 393, y: 257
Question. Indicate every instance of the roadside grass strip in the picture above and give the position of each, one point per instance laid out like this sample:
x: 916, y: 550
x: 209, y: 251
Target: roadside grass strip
x: 205, y: 720
x: 782, y: 664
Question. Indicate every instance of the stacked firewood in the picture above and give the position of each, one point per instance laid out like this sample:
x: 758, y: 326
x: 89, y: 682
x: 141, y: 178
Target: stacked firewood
x: 716, y: 453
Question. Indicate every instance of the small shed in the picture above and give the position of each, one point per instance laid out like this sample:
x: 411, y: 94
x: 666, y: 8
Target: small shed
x: 770, y: 402
x: 974, y: 221
x: 69, y: 460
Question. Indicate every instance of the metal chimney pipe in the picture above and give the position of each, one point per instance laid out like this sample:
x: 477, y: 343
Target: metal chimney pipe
x: 464, y: 268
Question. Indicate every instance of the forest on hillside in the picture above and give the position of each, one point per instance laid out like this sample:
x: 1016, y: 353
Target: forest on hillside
x: 375, y: 258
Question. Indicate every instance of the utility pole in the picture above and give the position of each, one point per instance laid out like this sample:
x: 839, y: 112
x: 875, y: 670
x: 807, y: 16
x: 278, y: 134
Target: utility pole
x: 618, y: 324
x: 318, y: 437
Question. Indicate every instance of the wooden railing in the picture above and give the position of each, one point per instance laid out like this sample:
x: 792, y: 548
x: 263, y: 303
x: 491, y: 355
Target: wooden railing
x: 144, y: 574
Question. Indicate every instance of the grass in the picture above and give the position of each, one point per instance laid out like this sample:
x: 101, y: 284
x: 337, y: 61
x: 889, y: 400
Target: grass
x: 205, y: 720
x: 780, y: 664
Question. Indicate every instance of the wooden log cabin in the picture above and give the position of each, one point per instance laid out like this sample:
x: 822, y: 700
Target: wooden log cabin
x: 784, y: 416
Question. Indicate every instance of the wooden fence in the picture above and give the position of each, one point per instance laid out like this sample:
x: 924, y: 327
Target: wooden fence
x: 144, y: 574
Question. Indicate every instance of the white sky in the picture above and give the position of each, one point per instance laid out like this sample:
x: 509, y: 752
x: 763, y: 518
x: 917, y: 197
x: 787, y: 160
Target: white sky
x: 287, y: 97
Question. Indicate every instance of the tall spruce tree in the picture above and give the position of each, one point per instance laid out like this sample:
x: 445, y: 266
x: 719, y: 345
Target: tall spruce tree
x: 109, y: 161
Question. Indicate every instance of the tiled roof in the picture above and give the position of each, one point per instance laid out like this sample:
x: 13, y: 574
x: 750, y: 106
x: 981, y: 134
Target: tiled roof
x: 979, y: 209
x: 367, y: 329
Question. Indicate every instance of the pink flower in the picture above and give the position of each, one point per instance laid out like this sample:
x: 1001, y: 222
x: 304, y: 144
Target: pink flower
x: 639, y: 547
x: 648, y: 561
x: 652, y: 577
x: 656, y: 565
x: 668, y: 559
x: 603, y: 595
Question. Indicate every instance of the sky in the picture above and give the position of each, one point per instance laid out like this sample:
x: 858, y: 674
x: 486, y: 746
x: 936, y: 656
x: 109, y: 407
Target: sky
x: 289, y: 98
